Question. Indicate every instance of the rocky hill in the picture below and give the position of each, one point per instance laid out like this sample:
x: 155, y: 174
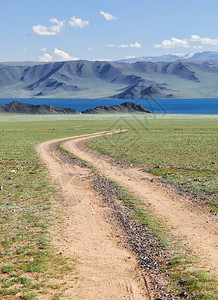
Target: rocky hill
x: 23, y: 108
x: 126, y: 107
x: 18, y: 107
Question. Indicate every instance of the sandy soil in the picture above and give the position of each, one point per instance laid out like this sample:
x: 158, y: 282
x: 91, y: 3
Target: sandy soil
x: 105, y: 269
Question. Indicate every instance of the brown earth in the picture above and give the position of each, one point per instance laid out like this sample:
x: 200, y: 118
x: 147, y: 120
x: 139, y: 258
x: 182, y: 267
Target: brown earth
x: 106, y: 270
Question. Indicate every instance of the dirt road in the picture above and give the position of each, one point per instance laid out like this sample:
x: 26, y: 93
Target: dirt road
x: 106, y: 270
x: 197, y: 229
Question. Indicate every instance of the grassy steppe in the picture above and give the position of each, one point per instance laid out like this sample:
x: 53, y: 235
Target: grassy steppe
x: 181, y: 146
x: 29, y: 266
x: 181, y: 149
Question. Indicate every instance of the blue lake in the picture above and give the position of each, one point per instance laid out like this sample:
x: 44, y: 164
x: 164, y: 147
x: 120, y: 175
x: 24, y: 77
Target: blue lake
x: 172, y: 106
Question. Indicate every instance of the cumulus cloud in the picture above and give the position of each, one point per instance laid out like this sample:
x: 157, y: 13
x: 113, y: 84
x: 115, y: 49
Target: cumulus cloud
x: 128, y: 57
x: 195, y: 41
x: 204, y: 41
x: 118, y: 46
x: 58, y: 26
x: 198, y: 47
x: 107, y: 16
x: 173, y: 43
x: 52, y: 30
x: 43, y: 49
x: 46, y: 57
x: 62, y: 55
x: 122, y: 46
x: 134, y: 45
x: 76, y: 22
x: 57, y: 55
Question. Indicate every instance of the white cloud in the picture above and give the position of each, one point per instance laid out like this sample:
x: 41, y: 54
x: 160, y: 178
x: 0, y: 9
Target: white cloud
x: 108, y: 16
x: 128, y: 57
x: 89, y: 49
x: 173, y: 43
x: 43, y: 49
x: 62, y: 55
x: 52, y: 30
x: 198, y: 47
x: 25, y: 49
x: 46, y: 57
x: 58, y: 55
x: 135, y: 45
x: 118, y: 46
x: 179, y: 54
x: 76, y: 22
x: 204, y: 41
x: 122, y: 46
x: 187, y: 43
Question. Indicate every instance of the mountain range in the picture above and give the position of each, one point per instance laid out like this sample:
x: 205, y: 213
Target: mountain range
x: 195, y: 76
x: 207, y: 55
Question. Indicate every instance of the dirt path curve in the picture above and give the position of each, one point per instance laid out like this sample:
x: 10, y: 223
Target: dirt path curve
x: 197, y: 229
x: 105, y: 269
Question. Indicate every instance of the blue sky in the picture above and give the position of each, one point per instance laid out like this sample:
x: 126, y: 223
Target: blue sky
x: 50, y: 30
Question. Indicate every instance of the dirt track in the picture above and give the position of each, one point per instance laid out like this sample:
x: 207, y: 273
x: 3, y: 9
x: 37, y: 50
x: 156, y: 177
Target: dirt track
x: 106, y: 270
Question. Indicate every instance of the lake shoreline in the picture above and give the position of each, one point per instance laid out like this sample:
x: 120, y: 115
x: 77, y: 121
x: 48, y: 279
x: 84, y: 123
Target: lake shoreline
x: 163, y: 106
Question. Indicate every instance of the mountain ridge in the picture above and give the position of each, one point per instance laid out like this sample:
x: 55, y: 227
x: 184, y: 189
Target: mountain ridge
x: 206, y: 55
x: 19, y: 107
x: 126, y: 107
x: 26, y: 108
x: 103, y: 79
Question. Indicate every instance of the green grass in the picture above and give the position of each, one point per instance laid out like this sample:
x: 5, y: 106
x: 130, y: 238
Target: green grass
x: 27, y: 259
x: 28, y: 264
x: 182, y: 150
x: 179, y: 265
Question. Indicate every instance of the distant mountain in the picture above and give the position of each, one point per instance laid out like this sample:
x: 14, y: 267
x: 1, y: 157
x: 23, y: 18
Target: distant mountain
x: 127, y: 107
x: 207, y: 55
x: 101, y: 79
x: 18, y: 107
x: 166, y: 58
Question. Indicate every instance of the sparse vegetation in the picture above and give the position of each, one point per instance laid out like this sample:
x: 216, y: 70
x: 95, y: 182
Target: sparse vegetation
x: 186, y: 280
x: 181, y: 149
x: 29, y: 265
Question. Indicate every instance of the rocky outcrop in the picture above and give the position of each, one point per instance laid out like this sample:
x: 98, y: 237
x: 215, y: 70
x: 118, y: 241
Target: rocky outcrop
x: 18, y: 107
x: 23, y: 108
x: 127, y: 107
